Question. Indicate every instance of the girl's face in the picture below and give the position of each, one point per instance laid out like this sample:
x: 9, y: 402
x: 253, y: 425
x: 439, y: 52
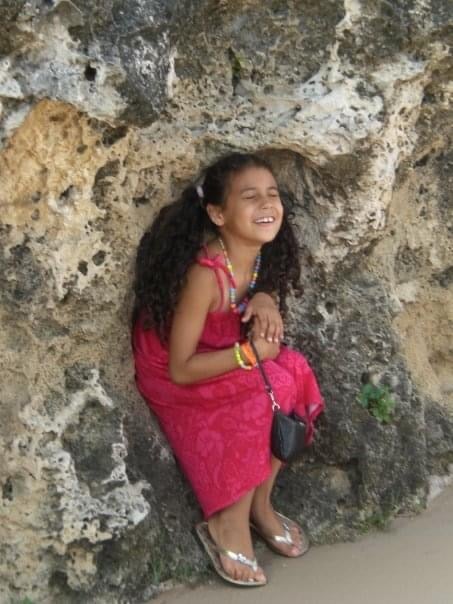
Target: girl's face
x: 253, y: 209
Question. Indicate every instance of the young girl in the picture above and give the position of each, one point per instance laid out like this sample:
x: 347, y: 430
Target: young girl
x: 199, y: 267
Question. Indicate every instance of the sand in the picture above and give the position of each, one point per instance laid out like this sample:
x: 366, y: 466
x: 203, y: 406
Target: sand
x: 410, y: 562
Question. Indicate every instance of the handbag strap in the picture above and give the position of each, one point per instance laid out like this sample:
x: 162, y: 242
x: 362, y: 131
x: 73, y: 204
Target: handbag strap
x: 267, y: 384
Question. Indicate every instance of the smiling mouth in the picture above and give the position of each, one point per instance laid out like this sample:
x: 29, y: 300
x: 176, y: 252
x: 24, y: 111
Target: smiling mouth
x: 265, y: 220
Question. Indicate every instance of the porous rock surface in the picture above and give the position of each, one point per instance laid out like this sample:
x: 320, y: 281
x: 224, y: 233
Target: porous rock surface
x: 107, y: 109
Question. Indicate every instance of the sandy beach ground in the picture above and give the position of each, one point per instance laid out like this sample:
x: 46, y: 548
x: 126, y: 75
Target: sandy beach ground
x: 410, y: 562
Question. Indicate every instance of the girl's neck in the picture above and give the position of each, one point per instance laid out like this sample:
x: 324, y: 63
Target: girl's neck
x: 241, y: 254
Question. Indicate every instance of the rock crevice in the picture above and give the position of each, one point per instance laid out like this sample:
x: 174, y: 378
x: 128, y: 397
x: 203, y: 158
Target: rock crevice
x: 107, y: 110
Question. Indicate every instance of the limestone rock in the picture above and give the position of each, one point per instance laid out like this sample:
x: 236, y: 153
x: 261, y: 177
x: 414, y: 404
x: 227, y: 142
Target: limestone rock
x: 107, y: 109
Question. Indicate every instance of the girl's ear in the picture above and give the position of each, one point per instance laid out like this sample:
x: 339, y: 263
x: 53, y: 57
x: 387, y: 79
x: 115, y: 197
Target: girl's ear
x: 215, y: 214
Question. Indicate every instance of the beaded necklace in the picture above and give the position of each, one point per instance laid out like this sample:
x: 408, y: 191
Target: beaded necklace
x: 239, y: 308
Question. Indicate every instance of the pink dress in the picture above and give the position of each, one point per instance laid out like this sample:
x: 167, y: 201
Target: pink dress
x: 219, y: 428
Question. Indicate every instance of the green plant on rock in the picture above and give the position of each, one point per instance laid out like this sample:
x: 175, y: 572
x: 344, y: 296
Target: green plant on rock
x: 377, y: 521
x: 378, y: 401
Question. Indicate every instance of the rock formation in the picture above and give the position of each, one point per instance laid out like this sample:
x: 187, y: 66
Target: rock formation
x: 107, y: 109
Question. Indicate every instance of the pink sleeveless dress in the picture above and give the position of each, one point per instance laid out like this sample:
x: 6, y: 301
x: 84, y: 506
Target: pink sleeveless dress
x: 219, y: 428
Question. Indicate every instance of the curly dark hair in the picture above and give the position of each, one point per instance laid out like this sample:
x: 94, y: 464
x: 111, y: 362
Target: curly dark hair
x: 172, y: 242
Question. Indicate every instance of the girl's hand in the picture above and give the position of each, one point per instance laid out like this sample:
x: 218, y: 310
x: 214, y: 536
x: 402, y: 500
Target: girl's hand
x: 266, y: 350
x: 267, y: 321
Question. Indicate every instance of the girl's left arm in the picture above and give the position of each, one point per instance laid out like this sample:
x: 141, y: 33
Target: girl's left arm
x: 267, y: 320
x: 185, y: 364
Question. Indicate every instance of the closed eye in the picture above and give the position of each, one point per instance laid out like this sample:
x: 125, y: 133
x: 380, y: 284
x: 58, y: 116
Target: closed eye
x: 271, y: 194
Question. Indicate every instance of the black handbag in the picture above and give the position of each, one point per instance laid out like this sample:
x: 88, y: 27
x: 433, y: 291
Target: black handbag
x: 288, y: 431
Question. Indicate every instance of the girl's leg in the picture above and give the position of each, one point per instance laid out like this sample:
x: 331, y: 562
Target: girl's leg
x: 262, y: 513
x: 230, y: 529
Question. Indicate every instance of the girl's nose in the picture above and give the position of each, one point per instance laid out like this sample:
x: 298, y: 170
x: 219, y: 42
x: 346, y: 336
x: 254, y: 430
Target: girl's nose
x: 266, y: 202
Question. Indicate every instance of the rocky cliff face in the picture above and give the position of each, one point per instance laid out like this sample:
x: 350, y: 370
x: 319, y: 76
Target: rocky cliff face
x: 106, y: 110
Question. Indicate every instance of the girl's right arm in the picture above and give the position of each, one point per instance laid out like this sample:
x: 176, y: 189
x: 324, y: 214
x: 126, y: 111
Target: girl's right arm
x: 197, y: 298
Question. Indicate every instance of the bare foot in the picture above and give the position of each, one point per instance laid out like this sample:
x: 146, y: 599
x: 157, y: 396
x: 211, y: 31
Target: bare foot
x: 234, y: 536
x: 270, y: 524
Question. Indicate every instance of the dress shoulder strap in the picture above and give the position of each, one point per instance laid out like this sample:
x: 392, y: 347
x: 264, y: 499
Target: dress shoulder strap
x: 216, y: 264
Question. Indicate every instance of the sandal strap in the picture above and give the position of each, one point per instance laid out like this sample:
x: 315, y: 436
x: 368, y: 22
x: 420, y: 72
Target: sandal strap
x: 286, y: 538
x: 238, y: 557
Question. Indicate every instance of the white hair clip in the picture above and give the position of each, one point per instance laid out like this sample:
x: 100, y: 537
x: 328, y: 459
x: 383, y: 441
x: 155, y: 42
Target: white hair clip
x: 200, y: 192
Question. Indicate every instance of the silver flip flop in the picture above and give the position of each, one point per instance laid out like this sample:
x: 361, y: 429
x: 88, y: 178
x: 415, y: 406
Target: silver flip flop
x: 213, y: 552
x: 272, y: 541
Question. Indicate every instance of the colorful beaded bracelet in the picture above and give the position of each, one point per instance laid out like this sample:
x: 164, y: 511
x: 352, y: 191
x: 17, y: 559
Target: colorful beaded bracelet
x: 237, y: 356
x: 248, y: 353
